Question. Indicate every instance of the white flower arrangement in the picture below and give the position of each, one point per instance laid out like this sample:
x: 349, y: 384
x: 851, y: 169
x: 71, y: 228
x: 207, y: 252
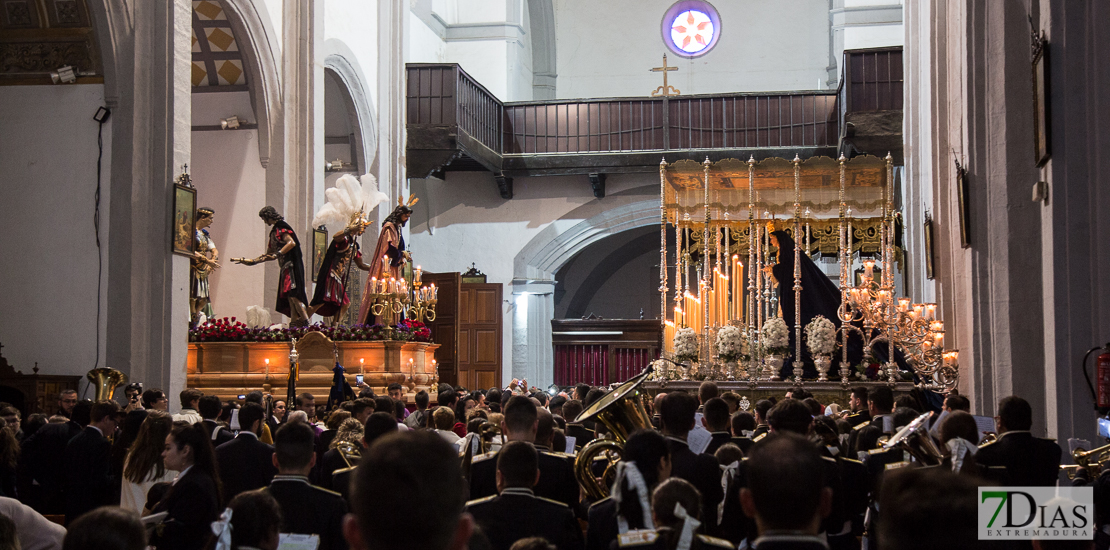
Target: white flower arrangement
x: 774, y: 337
x: 732, y: 345
x: 658, y: 370
x: 685, y: 345
x: 821, y: 336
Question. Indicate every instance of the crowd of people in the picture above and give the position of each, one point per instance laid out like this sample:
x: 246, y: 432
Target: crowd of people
x: 496, y: 469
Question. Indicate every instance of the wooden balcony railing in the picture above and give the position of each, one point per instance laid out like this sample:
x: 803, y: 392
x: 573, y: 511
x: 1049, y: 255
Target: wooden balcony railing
x: 454, y: 122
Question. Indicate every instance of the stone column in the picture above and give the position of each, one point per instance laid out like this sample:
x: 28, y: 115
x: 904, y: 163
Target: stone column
x: 303, y: 80
x: 533, y: 308
x: 148, y: 299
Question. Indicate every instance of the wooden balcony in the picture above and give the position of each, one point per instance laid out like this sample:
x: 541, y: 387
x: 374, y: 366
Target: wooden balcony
x: 454, y: 123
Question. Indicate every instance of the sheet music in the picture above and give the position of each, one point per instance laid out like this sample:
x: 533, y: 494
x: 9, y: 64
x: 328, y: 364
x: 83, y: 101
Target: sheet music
x: 985, y: 424
x: 570, y: 444
x: 698, y: 439
x: 292, y: 541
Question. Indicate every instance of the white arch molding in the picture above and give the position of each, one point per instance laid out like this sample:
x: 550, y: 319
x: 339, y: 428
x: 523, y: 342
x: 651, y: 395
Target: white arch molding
x: 533, y: 283
x: 256, y: 39
x: 339, y: 59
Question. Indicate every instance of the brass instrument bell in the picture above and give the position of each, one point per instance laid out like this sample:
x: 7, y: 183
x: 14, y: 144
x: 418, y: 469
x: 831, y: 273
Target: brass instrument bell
x: 106, y: 380
x: 622, y: 412
x: 914, y: 437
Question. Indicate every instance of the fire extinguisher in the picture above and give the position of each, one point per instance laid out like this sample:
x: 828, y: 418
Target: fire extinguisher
x: 1102, y: 378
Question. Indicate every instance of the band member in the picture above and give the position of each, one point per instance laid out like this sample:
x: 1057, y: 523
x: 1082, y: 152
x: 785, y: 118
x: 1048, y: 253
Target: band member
x: 284, y: 247
x: 205, y: 261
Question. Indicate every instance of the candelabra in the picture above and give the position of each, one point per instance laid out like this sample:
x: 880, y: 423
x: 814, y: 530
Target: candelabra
x: 423, y: 305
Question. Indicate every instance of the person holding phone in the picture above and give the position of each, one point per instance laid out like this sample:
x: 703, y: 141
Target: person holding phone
x: 133, y: 392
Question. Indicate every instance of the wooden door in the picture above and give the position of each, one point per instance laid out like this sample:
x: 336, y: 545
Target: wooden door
x: 479, y: 341
x: 445, y: 328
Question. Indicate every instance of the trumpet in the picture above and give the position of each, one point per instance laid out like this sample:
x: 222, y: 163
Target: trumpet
x: 1087, y: 459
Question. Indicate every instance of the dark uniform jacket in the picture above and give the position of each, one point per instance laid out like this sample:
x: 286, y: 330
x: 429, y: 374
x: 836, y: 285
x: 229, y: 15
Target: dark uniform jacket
x: 42, y: 473
x: 192, y: 504
x: 222, y: 436
x: 1029, y: 461
x: 666, y: 538
x: 307, y: 509
x: 759, y: 430
x: 89, y: 483
x: 857, y: 418
x: 246, y: 464
x: 517, y: 513
x: 789, y: 542
x: 581, y: 434
x: 718, y: 439
x: 557, y: 480
x: 745, y: 444
x: 703, y: 472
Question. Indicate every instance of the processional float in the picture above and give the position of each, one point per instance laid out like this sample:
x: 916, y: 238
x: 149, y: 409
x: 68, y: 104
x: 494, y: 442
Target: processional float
x: 724, y: 323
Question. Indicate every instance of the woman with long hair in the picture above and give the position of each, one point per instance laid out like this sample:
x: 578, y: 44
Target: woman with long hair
x: 9, y: 460
x: 143, y: 466
x: 193, y: 502
x: 646, y: 462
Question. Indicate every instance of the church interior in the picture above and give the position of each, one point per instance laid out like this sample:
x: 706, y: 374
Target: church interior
x: 489, y: 193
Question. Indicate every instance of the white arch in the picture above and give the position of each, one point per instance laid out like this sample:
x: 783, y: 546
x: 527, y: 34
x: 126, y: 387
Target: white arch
x: 339, y: 58
x: 533, y: 283
x: 541, y: 23
x: 552, y: 248
x: 256, y: 39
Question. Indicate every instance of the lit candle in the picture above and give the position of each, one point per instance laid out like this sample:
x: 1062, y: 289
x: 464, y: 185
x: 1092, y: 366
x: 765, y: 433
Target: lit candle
x: 930, y: 311
x: 868, y: 269
x: 418, y: 274
x: 939, y: 339
x: 937, y: 326
x: 903, y: 304
x: 267, y: 361
x: 917, y: 310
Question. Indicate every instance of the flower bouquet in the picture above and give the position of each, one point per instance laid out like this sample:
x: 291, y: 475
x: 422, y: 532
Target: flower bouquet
x: 821, y: 341
x: 775, y: 337
x: 732, y: 345
x: 685, y: 345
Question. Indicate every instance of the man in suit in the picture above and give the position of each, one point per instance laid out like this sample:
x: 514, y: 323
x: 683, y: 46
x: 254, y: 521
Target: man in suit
x: 880, y: 404
x: 786, y: 493
x: 1028, y: 460
x: 742, y: 425
x: 41, y: 474
x: 209, y: 407
x: 521, y: 422
x: 762, y: 407
x: 715, y: 419
x: 425, y: 470
x: 306, y: 509
x: 581, y: 434
x: 245, y: 462
x: 677, y: 412
x: 89, y: 483
x: 859, y: 405
x: 516, y: 512
x: 706, y: 391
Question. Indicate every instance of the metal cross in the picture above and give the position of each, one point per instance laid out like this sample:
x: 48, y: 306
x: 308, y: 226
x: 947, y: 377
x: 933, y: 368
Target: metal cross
x: 664, y: 90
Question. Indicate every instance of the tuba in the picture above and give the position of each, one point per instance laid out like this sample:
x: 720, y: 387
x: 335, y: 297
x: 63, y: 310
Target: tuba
x: 914, y: 437
x: 106, y: 380
x: 622, y: 411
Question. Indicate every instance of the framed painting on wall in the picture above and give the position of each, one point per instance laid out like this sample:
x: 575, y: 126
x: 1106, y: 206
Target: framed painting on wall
x: 1040, y: 98
x: 929, y: 274
x: 319, y: 249
x: 184, y: 222
x: 963, y: 197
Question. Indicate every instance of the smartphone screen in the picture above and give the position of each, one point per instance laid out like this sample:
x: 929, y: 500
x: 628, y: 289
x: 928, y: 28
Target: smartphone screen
x: 242, y: 396
x: 358, y: 379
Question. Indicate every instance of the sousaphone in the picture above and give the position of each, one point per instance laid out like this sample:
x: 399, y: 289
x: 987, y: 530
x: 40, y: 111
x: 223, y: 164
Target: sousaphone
x: 622, y: 411
x: 106, y: 380
x: 914, y: 437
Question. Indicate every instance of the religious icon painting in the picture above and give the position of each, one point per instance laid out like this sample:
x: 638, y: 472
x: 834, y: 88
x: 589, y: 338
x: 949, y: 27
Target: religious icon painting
x: 1040, y: 100
x: 184, y: 222
x: 929, y: 247
x: 962, y: 198
x: 319, y: 249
